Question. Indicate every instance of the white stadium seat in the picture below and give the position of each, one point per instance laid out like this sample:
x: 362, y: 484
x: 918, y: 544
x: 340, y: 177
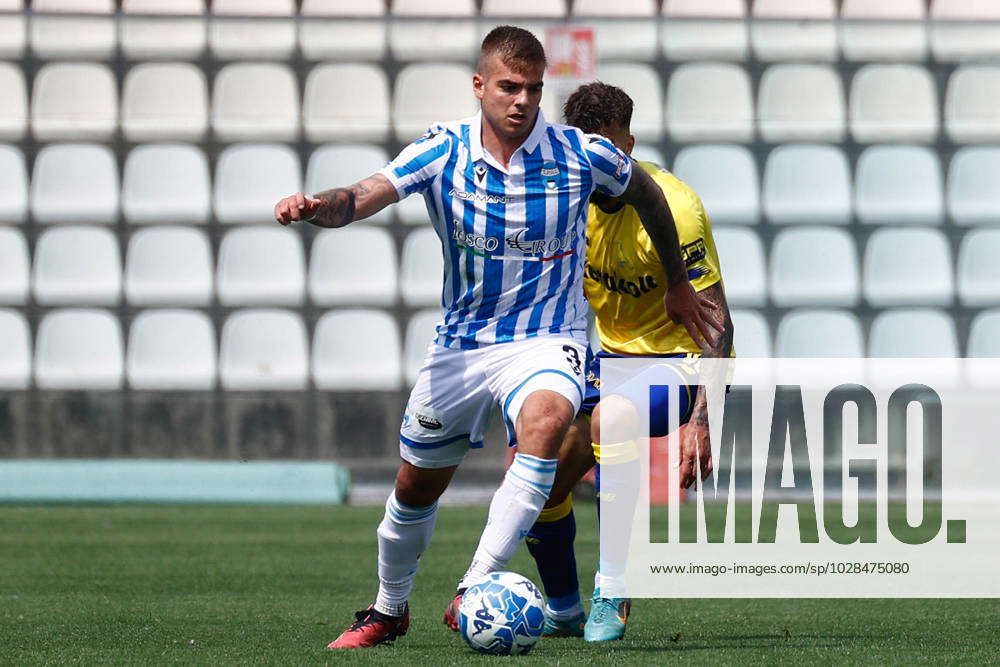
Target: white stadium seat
x: 13, y: 103
x: 899, y: 185
x: 819, y: 333
x: 261, y: 266
x: 525, y: 8
x: 709, y: 102
x: 904, y: 267
x: 965, y: 30
x: 806, y: 184
x: 76, y: 101
x: 699, y: 30
x: 326, y: 117
x: 422, y: 270
x: 163, y: 29
x: 75, y: 183
x: 162, y: 101
x: 741, y: 257
x: 342, y: 29
x: 13, y: 186
x: 77, y: 265
x: 794, y: 30
x: 339, y: 165
x: 725, y: 177
x: 647, y: 153
x: 168, y: 266
x: 618, y: 32
x: 73, y: 36
x: 912, y: 332
x: 642, y: 84
x: 251, y: 178
x: 171, y: 350
x: 166, y: 183
x: 419, y: 33
x: 15, y: 351
x: 413, y: 110
x: 420, y: 331
x: 893, y: 103
x: 970, y: 109
x: 814, y: 266
x: 883, y: 30
x: 14, y: 266
x: 252, y: 28
x: 340, y: 364
x: 974, y: 186
x: 353, y: 266
x: 984, y: 335
x: 784, y: 113
x: 12, y: 29
x: 255, y: 101
x: 263, y: 349
x: 79, y: 349
x: 751, y: 335
x: 978, y: 269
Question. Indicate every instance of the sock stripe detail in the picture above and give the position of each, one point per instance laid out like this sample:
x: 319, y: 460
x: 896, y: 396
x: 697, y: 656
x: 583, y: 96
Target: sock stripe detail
x: 535, y: 459
x: 408, y: 514
x: 544, y: 488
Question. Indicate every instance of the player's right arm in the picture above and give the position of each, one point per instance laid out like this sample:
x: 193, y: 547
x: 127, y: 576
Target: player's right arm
x: 338, y: 206
x: 413, y: 170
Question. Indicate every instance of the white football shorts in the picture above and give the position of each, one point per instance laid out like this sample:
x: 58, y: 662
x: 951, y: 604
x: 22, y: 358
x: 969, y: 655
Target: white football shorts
x: 450, y: 405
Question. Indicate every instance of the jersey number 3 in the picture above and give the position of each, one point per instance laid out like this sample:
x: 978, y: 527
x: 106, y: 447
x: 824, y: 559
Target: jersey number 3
x: 573, y: 357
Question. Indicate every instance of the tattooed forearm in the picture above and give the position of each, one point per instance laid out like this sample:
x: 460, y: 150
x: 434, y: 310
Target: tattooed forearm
x: 342, y: 206
x: 720, y: 349
x: 646, y: 196
x: 338, y: 208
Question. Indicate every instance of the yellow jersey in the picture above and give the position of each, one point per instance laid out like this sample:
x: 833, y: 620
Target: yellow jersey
x: 624, y: 281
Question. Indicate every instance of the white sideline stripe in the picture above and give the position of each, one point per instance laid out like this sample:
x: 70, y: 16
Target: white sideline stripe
x: 264, y: 482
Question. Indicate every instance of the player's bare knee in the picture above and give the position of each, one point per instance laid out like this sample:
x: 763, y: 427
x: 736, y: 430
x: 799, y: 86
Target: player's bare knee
x: 543, y: 422
x: 421, y: 487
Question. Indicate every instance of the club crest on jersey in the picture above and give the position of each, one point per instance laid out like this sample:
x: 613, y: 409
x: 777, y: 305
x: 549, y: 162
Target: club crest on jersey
x: 550, y: 168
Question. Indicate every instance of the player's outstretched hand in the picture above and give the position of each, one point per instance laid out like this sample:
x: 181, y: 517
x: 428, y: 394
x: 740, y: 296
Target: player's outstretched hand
x: 296, y: 207
x: 695, y: 453
x: 697, y: 313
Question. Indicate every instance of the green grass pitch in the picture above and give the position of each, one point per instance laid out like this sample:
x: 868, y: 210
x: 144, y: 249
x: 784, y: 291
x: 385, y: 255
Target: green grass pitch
x: 274, y: 585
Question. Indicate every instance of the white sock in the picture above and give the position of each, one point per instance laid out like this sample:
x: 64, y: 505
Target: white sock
x: 514, y: 509
x: 403, y: 535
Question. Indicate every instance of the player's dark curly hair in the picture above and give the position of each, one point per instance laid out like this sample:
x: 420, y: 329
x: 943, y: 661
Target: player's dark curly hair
x: 517, y: 48
x: 597, y: 105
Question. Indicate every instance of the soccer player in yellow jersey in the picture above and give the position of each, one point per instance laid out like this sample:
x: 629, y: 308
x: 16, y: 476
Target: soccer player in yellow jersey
x: 624, y: 285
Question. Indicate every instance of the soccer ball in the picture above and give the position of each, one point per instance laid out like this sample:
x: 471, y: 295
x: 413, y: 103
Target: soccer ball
x: 503, y: 615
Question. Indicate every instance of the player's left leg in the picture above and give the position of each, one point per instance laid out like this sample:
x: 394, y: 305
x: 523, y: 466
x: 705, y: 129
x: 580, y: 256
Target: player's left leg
x: 539, y: 383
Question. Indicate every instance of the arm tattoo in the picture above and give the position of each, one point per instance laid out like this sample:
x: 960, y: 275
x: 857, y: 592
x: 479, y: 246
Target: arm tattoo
x: 654, y: 214
x: 342, y: 206
x: 720, y: 350
x: 337, y: 209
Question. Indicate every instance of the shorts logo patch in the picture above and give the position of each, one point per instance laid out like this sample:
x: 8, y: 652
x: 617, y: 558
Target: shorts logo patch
x: 429, y: 422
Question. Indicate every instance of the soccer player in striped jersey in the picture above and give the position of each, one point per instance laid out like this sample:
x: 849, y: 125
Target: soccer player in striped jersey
x: 507, y: 193
x: 624, y: 283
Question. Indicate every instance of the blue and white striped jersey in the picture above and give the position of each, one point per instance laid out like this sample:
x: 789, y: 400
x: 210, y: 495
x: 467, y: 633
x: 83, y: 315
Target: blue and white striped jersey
x: 513, y: 239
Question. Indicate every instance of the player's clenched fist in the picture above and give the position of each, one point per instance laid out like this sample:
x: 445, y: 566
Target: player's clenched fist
x: 296, y: 207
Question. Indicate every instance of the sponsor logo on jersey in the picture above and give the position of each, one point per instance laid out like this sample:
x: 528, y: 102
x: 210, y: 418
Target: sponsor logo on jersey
x: 697, y: 272
x: 517, y: 241
x: 480, y: 172
x: 476, y: 241
x: 479, y: 196
x: 612, y: 282
x: 694, y: 252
